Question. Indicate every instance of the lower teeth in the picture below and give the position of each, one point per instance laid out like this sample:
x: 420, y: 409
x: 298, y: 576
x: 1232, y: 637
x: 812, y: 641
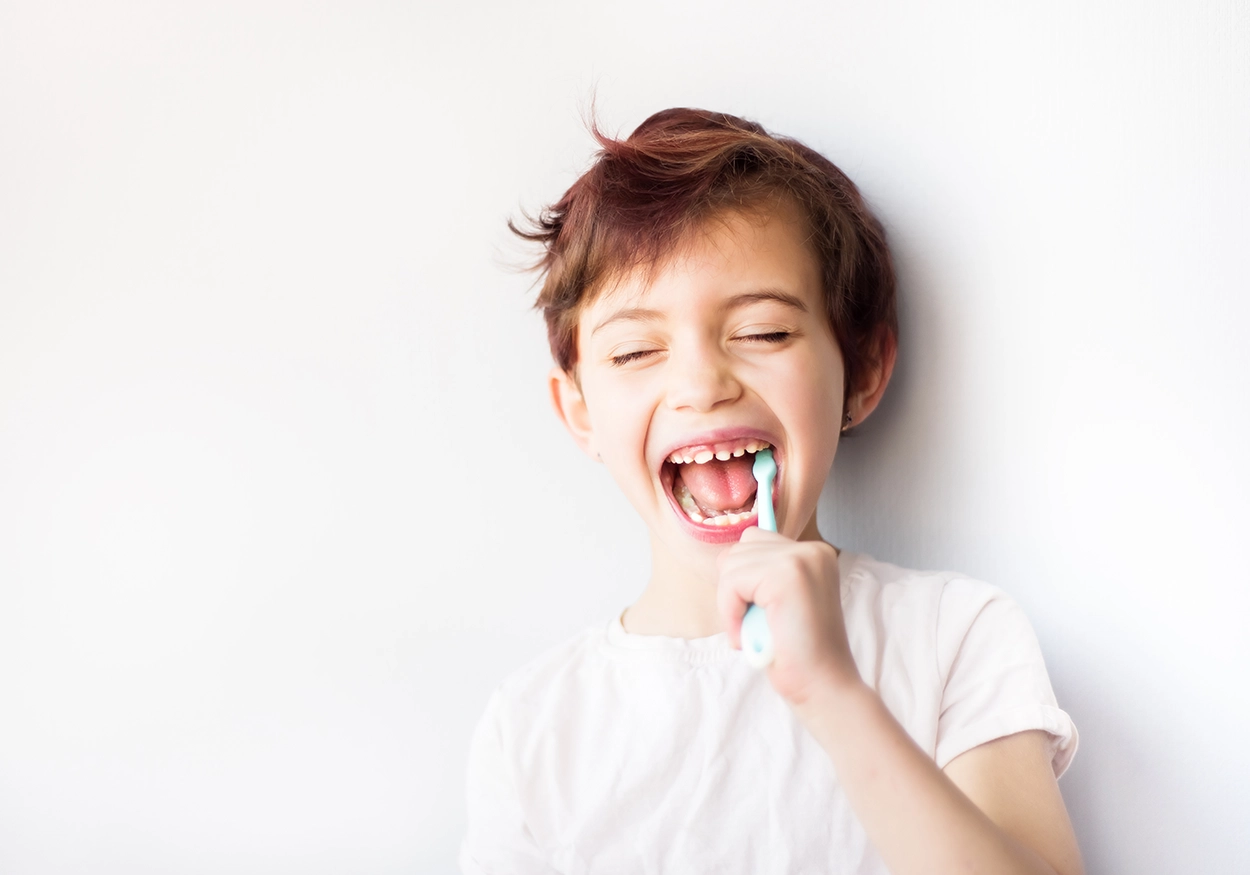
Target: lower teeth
x: 691, y: 509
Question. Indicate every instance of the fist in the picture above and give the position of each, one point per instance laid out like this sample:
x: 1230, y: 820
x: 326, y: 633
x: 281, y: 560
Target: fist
x: 797, y: 585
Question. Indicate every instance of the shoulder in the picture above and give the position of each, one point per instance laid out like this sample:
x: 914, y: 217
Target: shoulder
x: 884, y: 577
x: 945, y: 645
x: 553, y: 666
x: 939, y: 607
x: 895, y: 594
x: 542, y: 683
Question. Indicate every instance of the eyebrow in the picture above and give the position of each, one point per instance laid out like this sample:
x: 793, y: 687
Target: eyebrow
x: 776, y: 295
x: 642, y: 314
x: 630, y: 314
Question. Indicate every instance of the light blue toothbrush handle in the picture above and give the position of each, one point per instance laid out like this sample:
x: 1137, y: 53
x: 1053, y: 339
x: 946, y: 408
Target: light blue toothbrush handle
x: 757, y: 640
x: 764, y: 510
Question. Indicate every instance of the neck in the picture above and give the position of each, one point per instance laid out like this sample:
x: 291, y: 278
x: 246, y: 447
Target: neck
x: 680, y: 598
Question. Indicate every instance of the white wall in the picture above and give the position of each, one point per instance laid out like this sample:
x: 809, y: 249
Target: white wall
x: 280, y: 496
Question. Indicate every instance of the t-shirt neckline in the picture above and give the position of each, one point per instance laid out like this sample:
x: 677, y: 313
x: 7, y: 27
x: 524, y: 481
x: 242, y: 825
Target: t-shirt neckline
x: 618, y: 637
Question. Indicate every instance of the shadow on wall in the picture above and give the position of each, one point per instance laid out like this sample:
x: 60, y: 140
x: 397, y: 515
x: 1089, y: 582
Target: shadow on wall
x: 1118, y: 773
x: 895, y: 478
x: 931, y: 480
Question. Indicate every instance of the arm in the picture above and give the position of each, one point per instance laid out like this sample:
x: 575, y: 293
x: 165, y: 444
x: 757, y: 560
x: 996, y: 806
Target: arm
x: 996, y: 808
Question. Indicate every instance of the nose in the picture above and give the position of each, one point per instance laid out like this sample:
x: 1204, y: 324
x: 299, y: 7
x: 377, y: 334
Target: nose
x: 700, y: 377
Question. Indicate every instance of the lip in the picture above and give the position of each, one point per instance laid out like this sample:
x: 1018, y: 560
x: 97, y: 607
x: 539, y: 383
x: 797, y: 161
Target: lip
x: 716, y: 534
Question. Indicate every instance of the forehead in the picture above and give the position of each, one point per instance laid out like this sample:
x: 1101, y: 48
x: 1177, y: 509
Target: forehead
x: 730, y: 253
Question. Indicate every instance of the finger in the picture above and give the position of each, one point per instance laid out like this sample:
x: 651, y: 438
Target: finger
x: 752, y: 542
x: 752, y: 573
x: 756, y: 535
x: 732, y: 607
x: 743, y: 583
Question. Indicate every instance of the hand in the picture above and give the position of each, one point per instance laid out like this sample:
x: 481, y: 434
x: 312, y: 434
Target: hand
x: 797, y: 585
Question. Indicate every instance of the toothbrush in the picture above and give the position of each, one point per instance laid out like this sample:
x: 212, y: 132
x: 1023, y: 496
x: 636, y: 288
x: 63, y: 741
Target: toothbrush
x: 757, y: 640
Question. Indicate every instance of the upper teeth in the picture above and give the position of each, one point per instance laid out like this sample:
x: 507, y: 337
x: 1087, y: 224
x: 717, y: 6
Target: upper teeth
x: 721, y: 451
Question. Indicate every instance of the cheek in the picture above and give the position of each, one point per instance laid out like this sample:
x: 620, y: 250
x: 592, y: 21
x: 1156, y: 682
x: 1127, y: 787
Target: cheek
x: 817, y: 401
x: 619, y: 420
x: 822, y: 420
x: 819, y: 382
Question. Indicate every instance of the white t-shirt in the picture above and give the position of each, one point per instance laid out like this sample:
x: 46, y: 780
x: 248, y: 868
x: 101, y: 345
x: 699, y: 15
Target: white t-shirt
x: 625, y: 753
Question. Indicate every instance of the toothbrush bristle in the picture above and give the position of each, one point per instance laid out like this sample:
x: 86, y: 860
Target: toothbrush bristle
x: 764, y: 466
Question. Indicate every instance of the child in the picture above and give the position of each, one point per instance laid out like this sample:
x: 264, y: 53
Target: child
x: 712, y: 290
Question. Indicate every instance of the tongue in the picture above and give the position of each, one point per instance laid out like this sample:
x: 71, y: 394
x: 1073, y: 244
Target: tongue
x: 718, y: 485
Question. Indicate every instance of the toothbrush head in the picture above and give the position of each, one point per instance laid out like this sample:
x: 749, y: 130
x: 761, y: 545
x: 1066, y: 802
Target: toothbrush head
x: 764, y: 470
x: 765, y: 467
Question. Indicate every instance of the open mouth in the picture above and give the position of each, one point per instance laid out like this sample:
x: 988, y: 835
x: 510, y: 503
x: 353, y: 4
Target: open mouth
x: 713, y: 484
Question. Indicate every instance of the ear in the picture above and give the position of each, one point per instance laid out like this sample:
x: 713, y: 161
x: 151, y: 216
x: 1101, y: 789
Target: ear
x: 865, y: 398
x: 570, y: 407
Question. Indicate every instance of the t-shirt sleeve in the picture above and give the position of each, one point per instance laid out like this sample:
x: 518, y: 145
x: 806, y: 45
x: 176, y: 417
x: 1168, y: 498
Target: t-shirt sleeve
x: 995, y: 681
x: 497, y: 839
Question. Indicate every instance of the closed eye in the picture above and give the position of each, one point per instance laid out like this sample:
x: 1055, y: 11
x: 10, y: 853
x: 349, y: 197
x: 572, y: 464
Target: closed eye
x: 770, y: 337
x: 626, y: 358
x: 766, y: 337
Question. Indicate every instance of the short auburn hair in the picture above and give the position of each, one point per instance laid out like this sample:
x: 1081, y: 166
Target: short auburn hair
x: 643, y: 194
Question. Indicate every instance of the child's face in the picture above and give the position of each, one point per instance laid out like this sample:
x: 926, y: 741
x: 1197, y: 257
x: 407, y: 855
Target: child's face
x: 727, y: 348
